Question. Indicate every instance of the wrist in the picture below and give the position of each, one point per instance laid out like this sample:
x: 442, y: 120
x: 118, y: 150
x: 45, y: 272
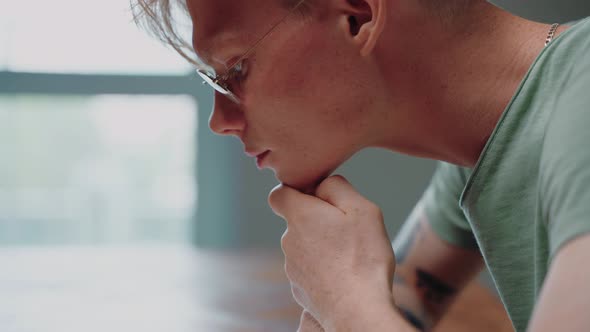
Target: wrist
x: 370, y: 315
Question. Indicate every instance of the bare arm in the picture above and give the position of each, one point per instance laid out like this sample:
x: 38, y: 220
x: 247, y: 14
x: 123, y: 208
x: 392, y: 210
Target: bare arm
x: 565, y: 298
x: 430, y: 272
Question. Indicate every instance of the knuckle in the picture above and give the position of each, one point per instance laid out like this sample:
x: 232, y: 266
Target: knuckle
x: 284, y: 241
x: 308, y: 317
x: 287, y: 269
x: 274, y: 194
x: 271, y: 199
x: 297, y: 296
x: 309, y: 322
x: 373, y: 209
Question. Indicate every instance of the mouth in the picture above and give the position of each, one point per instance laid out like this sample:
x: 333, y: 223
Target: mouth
x: 260, y: 159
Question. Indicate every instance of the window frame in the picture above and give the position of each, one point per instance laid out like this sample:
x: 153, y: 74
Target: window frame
x: 213, y: 224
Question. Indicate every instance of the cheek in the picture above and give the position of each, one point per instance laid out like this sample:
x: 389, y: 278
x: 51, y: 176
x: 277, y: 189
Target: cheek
x: 307, y: 107
x: 306, y: 72
x: 302, y: 62
x: 312, y: 78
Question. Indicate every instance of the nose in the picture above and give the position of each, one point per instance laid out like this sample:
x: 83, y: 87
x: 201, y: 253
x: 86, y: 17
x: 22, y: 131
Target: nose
x: 227, y: 118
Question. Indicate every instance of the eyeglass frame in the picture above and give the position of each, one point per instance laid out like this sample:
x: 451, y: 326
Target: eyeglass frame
x: 219, y: 82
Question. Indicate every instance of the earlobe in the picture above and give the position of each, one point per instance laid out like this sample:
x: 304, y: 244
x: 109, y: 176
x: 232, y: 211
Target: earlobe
x: 366, y: 28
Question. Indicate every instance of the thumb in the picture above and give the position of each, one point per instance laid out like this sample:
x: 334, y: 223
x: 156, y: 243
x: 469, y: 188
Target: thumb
x: 308, y: 323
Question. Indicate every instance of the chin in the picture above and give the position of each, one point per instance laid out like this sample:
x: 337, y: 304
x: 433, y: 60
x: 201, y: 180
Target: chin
x: 302, y: 181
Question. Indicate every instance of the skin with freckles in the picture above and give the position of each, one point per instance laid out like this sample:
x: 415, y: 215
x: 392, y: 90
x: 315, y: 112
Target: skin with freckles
x: 318, y: 90
x: 357, y: 268
x: 349, y: 75
x: 291, y: 104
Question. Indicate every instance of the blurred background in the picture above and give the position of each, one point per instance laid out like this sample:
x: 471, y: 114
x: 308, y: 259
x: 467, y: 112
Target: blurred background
x: 119, y: 207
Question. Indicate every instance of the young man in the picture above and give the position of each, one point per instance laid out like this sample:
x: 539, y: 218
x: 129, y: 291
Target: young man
x: 307, y: 84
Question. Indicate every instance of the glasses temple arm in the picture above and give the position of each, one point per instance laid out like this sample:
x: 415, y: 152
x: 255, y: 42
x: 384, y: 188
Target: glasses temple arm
x: 266, y: 34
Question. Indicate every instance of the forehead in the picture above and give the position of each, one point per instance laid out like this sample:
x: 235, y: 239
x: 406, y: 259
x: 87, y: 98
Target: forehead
x: 222, y: 28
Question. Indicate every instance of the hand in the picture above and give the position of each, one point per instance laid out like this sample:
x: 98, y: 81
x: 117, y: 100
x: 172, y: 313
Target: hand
x: 337, y: 252
x: 308, y: 323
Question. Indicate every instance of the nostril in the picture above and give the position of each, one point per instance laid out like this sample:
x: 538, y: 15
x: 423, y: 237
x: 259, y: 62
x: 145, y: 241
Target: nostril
x: 226, y: 118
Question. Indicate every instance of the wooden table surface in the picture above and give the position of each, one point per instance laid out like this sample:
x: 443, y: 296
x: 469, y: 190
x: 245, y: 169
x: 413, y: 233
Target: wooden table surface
x: 172, y: 289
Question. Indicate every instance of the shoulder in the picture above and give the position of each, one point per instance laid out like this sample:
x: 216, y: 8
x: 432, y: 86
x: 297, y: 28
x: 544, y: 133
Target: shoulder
x: 564, y: 173
x: 447, y: 172
x: 568, y: 127
x: 568, y: 124
x: 446, y: 186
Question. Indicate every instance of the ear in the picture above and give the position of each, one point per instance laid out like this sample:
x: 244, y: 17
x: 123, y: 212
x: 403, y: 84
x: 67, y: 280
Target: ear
x: 366, y: 21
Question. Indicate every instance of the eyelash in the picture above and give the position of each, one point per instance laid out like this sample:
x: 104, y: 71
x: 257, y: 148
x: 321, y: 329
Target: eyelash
x: 239, y: 75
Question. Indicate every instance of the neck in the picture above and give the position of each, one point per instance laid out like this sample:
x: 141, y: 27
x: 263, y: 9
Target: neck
x: 451, y: 81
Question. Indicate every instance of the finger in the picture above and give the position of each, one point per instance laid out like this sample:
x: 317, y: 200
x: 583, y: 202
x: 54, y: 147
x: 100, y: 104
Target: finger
x: 283, y: 199
x: 308, y: 323
x: 337, y: 191
x: 287, y: 202
x: 298, y: 295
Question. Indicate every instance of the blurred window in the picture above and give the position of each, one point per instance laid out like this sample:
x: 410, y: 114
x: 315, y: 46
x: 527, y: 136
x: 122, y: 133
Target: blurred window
x: 79, y: 36
x: 97, y: 169
x: 78, y: 166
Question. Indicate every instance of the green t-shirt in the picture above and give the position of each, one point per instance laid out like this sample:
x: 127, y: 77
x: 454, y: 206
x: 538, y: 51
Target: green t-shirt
x: 529, y: 193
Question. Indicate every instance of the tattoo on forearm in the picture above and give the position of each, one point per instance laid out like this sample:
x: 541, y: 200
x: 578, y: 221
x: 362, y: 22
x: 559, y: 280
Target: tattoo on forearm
x: 412, y: 319
x: 432, y: 289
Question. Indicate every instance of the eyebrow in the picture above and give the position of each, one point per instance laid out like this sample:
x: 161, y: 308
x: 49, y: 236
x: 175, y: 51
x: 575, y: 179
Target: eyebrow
x: 220, y: 53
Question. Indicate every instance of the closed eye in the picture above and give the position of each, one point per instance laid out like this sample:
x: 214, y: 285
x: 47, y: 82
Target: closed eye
x: 238, y: 74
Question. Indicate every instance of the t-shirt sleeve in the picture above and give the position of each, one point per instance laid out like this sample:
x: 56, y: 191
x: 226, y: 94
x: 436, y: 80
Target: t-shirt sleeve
x: 565, y: 163
x: 440, y: 202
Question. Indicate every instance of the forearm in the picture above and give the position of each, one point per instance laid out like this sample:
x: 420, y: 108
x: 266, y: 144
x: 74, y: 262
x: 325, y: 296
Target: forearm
x: 407, y: 311
x: 421, y: 303
x: 429, y: 273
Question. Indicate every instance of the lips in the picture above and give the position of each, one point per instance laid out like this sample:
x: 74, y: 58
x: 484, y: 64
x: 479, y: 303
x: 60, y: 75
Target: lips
x: 263, y: 154
x: 254, y: 154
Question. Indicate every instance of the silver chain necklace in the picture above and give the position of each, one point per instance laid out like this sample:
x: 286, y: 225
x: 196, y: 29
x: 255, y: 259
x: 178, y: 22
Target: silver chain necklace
x: 551, y: 33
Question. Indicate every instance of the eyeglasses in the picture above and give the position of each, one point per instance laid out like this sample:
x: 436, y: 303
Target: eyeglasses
x: 220, y: 82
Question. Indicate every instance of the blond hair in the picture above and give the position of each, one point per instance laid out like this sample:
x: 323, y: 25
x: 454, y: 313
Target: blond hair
x: 160, y: 18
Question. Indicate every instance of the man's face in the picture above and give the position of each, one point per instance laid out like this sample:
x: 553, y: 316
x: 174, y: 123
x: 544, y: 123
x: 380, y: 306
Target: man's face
x: 304, y: 94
